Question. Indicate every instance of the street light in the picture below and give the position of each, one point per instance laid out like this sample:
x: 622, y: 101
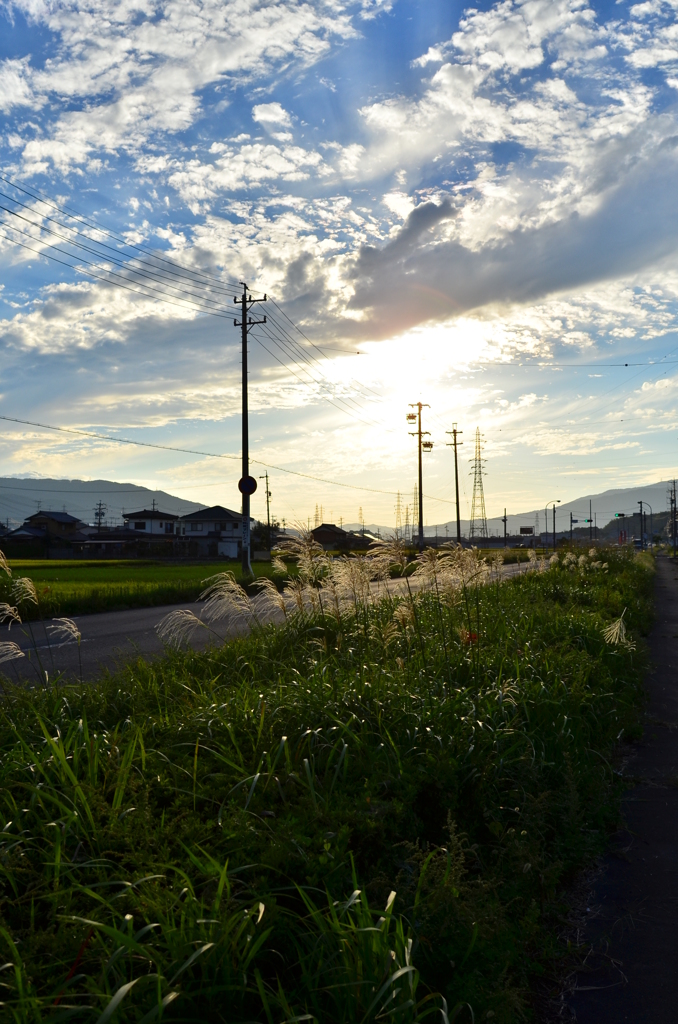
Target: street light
x: 642, y: 538
x: 554, y: 503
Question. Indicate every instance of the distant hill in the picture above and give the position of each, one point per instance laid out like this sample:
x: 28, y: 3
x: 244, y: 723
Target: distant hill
x: 603, y: 507
x: 19, y: 498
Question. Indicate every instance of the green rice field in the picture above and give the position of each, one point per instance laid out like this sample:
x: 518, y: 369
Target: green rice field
x: 80, y: 587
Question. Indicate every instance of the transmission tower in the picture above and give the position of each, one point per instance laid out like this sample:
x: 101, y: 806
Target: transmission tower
x: 478, y: 516
x: 398, y: 518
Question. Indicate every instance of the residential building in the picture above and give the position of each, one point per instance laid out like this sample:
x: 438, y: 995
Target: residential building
x: 333, y: 538
x: 211, y: 532
x: 151, y: 522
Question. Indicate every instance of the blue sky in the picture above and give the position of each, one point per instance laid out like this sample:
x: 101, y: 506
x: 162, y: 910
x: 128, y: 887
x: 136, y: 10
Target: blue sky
x: 481, y: 201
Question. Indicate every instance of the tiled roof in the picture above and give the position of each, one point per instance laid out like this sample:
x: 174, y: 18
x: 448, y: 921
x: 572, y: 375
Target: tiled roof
x: 150, y: 514
x: 216, y: 512
x: 57, y: 517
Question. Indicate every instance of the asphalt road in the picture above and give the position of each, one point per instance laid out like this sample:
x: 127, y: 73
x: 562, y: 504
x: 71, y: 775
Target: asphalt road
x: 110, y: 639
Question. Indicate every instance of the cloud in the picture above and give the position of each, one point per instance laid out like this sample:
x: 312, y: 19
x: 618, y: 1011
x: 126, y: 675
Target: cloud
x: 404, y: 283
x: 121, y: 75
x: 15, y: 87
x: 271, y: 113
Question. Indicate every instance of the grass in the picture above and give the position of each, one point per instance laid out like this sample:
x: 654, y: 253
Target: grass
x: 81, y: 587
x: 359, y: 816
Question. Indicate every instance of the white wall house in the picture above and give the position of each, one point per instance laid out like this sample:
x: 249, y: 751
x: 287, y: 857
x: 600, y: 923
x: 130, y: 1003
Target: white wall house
x: 150, y: 522
x: 213, y: 531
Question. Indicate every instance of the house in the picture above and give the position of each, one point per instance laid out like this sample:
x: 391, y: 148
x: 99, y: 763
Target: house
x: 330, y: 536
x: 56, y: 525
x: 212, y: 532
x: 151, y: 523
x: 333, y: 538
x: 51, y: 534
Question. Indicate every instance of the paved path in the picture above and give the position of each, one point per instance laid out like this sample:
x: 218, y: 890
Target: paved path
x: 110, y: 639
x: 632, y: 971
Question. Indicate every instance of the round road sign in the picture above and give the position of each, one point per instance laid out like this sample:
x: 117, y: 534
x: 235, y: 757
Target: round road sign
x: 247, y: 485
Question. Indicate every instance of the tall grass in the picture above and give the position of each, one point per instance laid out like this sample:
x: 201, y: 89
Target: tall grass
x: 365, y: 814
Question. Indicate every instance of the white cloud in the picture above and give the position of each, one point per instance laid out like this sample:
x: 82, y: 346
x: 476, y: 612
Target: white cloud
x: 246, y: 166
x: 135, y: 74
x: 15, y: 87
x: 271, y: 113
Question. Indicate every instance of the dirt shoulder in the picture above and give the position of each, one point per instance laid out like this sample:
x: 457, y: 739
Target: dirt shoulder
x: 631, y: 972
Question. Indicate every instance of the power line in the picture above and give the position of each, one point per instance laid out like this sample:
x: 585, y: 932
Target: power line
x: 151, y: 274
x: 574, y: 366
x: 210, y: 455
x: 65, y: 211
x: 196, y: 304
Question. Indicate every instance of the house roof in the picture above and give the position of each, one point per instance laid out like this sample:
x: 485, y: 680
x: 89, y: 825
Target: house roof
x: 57, y: 517
x: 147, y: 513
x: 216, y: 512
x: 27, y: 533
x: 330, y: 528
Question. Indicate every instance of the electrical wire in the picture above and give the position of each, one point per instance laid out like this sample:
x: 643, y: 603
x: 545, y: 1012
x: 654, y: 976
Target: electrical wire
x: 209, y: 455
x: 211, y: 281
x: 36, y: 193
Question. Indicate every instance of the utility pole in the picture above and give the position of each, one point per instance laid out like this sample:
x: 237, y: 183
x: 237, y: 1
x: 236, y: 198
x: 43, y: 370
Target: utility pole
x: 642, y: 536
x: 546, y: 522
x: 99, y: 513
x: 590, y: 521
x: 415, y: 417
x: 453, y: 444
x: 571, y: 521
x: 268, y: 510
x: 673, y: 520
x: 503, y: 519
x: 247, y: 485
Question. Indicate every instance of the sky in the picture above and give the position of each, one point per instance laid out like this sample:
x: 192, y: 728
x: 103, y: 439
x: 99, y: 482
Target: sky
x: 472, y: 207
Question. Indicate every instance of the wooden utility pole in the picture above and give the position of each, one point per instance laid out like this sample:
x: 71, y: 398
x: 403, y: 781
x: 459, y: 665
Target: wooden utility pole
x: 415, y: 417
x: 247, y: 485
x: 268, y: 510
x: 453, y: 444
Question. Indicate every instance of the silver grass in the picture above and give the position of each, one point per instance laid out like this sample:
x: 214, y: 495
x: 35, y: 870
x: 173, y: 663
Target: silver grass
x: 278, y: 565
x: 178, y: 627
x: 312, y: 560
x: 352, y: 577
x: 226, y: 599
x: 23, y: 590
x: 9, y: 614
x: 404, y: 615
x: 615, y: 634
x: 496, y: 562
x: 10, y: 651
x: 271, y: 596
x: 386, y: 555
x: 65, y: 630
x: 4, y: 564
x: 296, y: 590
